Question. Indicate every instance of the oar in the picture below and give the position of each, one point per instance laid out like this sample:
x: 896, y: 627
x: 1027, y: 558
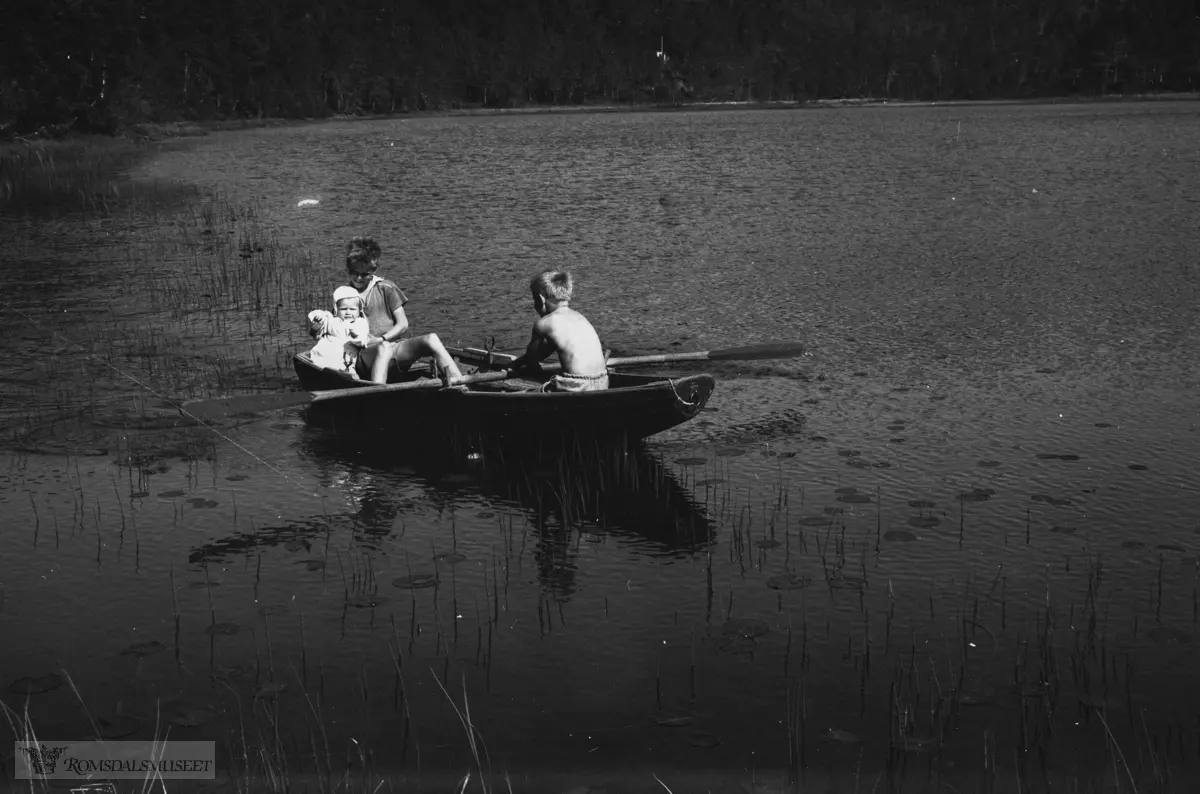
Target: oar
x: 254, y: 403
x: 745, y: 353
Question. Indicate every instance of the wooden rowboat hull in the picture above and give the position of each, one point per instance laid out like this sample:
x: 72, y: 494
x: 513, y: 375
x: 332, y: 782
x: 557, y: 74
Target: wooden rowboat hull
x: 634, y: 407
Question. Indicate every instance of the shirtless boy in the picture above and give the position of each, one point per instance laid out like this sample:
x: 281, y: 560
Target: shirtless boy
x: 383, y: 305
x: 560, y: 329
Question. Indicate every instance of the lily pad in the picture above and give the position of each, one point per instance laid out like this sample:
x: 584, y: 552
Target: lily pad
x: 1170, y: 547
x: 855, y: 498
x: 1103, y: 424
x: 858, y: 463
x: 711, y: 481
x: 271, y: 610
x: 140, y: 649
x: 881, y: 464
x: 36, y: 685
x: 818, y: 439
x: 788, y: 581
x: 674, y: 718
x: 977, y: 495
x: 845, y: 490
x: 926, y: 745
x: 236, y: 477
x: 485, y: 514
x: 172, y: 494
x: 974, y: 698
x: 416, y: 581
x: 899, y: 535
x: 226, y: 629
x: 839, y: 736
x: 842, y: 582
x: 313, y: 565
x: 924, y: 522
x: 231, y: 671
x: 451, y: 557
x: 921, y: 503
x: 367, y: 601
x: 736, y: 645
x: 849, y: 453
x: 704, y: 739
x: 1168, y: 635
x: 1138, y: 467
x: 298, y: 545
x: 268, y: 691
x: 767, y: 543
x: 193, y: 717
x: 745, y: 628
x: 692, y: 461
x: 203, y: 504
x: 1062, y: 530
x: 140, y: 494
x: 896, y: 426
x: 814, y: 521
x: 117, y: 727
x: 988, y: 464
x: 730, y: 452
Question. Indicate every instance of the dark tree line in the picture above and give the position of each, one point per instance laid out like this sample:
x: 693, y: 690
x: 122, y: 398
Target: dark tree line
x: 97, y: 63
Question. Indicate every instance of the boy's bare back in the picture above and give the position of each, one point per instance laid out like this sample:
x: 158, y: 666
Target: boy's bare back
x: 570, y: 334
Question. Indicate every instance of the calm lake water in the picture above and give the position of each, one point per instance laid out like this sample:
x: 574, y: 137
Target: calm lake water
x: 958, y: 539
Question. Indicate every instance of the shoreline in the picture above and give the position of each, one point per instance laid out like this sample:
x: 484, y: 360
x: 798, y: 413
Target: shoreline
x: 151, y: 131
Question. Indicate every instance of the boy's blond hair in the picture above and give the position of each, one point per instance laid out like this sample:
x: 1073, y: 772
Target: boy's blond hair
x: 553, y: 284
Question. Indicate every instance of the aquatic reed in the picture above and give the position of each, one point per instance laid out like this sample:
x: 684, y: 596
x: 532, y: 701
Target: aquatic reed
x: 47, y: 177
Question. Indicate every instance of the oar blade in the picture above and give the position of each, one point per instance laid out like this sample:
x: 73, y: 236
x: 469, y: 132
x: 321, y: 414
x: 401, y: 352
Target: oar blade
x: 221, y: 407
x: 758, y: 352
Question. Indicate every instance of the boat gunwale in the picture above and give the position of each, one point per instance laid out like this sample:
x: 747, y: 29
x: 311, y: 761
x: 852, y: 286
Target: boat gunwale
x: 651, y: 383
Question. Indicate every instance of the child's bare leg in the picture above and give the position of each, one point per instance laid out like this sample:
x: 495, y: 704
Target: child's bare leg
x: 441, y: 355
x: 383, y: 356
x: 410, y: 350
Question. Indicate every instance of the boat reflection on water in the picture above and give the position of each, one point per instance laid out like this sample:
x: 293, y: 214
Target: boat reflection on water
x: 563, y: 492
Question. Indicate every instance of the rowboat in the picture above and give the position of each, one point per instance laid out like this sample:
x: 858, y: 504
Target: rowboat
x: 634, y: 406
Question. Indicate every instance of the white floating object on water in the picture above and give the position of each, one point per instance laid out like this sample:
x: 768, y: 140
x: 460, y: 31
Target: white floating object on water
x: 1035, y: 190
x: 308, y: 203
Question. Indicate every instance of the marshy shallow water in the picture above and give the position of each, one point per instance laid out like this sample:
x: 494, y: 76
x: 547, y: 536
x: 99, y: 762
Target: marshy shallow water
x: 955, y: 544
